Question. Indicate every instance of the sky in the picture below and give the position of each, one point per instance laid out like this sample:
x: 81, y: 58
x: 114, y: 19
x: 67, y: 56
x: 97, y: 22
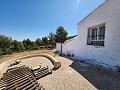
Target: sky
x: 22, y: 19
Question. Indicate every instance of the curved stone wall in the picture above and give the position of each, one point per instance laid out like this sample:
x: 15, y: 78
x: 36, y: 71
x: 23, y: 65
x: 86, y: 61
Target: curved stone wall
x: 57, y: 64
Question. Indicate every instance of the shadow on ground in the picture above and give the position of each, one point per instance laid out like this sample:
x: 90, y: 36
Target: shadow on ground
x: 101, y: 78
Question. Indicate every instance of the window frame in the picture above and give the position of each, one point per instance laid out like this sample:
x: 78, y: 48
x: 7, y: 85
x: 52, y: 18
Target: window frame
x: 96, y: 38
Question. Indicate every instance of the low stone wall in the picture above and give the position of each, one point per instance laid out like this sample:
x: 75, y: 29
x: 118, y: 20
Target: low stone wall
x: 57, y: 64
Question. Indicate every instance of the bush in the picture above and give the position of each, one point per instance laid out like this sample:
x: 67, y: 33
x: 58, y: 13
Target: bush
x: 34, y: 48
x: 42, y: 47
x: 1, y: 52
x: 49, y: 46
x: 8, y: 51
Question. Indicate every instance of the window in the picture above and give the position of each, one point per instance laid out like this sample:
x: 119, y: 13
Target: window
x: 96, y: 35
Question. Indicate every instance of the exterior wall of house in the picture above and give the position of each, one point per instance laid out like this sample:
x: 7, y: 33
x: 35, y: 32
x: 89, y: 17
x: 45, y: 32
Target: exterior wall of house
x: 58, y: 47
x: 108, y: 13
x: 68, y: 47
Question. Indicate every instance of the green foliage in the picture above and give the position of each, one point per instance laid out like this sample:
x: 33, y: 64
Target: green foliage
x: 61, y: 35
x: 51, y: 37
x: 38, y: 41
x: 1, y: 52
x: 8, y: 46
x: 28, y: 41
x: 42, y: 47
x: 5, y: 42
x: 45, y: 41
x: 8, y: 51
x: 22, y: 48
x: 16, y: 46
x: 33, y: 46
x: 27, y: 44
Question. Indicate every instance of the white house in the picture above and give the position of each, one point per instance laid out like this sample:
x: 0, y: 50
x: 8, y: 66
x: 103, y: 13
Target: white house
x: 98, y: 36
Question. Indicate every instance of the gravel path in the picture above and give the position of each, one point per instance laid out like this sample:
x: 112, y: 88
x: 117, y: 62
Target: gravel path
x: 74, y: 75
x: 65, y: 78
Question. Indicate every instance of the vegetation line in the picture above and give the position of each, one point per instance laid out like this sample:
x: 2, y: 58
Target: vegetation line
x: 8, y: 45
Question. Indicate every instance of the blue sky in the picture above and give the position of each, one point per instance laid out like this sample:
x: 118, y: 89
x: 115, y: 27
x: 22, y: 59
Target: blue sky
x: 33, y: 19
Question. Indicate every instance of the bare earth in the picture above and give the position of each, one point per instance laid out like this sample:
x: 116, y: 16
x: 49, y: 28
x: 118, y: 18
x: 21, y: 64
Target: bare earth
x: 35, y: 61
x: 17, y: 55
x: 73, y: 74
x: 65, y: 78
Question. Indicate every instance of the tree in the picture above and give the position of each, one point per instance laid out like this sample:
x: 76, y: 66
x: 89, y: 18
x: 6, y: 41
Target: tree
x: 5, y: 45
x: 5, y: 42
x: 16, y: 46
x: 45, y: 41
x: 51, y: 37
x: 8, y: 51
x: 38, y: 41
x: 1, y: 52
x: 61, y: 35
x: 27, y: 44
x: 22, y: 48
x: 33, y: 46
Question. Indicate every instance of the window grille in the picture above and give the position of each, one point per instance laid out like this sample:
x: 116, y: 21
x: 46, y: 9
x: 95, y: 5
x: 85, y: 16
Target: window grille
x: 96, y: 36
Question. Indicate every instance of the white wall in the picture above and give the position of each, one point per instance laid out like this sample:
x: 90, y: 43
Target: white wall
x: 69, y: 46
x: 108, y: 13
x: 58, y: 47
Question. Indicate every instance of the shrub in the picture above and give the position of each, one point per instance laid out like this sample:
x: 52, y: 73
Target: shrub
x: 49, y: 47
x: 8, y: 51
x: 42, y: 47
x: 1, y: 52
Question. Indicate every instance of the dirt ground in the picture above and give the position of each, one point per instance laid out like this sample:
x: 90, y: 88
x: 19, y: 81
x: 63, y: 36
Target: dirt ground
x: 22, y: 54
x: 73, y: 74
x: 65, y: 78
x: 100, y: 77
